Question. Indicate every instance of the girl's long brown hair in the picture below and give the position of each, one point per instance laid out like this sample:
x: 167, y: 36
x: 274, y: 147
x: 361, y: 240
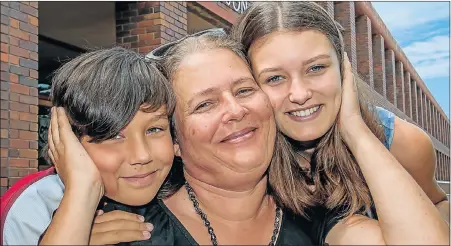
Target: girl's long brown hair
x: 338, y: 180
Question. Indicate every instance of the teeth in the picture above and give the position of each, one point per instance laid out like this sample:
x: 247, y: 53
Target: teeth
x: 307, y: 112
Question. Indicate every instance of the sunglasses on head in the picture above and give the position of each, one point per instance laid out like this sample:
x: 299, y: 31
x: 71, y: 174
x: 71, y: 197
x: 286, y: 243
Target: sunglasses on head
x: 161, y: 51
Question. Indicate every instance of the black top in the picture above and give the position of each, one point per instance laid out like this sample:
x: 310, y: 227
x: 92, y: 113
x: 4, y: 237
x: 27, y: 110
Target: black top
x: 322, y: 220
x: 168, y: 230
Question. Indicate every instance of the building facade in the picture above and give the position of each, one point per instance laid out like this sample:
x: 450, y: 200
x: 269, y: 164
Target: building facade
x: 36, y: 38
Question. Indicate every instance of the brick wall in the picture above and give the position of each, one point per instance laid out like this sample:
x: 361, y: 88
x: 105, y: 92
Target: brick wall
x: 142, y: 26
x: 19, y: 93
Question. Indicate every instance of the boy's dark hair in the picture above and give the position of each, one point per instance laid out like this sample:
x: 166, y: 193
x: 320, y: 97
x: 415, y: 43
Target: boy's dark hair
x: 101, y: 91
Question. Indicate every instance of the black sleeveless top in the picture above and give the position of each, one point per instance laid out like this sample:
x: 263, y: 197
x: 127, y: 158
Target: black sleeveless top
x: 168, y: 230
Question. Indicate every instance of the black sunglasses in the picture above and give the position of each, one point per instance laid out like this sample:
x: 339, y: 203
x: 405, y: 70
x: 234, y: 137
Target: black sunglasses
x: 160, y: 52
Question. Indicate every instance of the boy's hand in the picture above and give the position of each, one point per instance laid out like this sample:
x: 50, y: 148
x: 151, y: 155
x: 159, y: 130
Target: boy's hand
x: 72, y: 162
x: 117, y: 227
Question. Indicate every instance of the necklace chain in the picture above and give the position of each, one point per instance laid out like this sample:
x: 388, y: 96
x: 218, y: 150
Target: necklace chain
x: 210, y: 229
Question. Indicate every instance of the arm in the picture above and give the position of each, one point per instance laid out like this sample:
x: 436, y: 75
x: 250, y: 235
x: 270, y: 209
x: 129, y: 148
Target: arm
x: 419, y: 160
x: 406, y: 214
x: 72, y: 221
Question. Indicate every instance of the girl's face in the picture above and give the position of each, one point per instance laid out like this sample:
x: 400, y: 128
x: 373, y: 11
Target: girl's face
x: 300, y: 72
x: 134, y: 164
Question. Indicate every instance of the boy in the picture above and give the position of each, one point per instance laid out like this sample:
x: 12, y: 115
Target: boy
x: 109, y: 137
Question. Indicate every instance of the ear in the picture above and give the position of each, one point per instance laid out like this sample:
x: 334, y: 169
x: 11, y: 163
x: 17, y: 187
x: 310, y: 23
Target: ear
x: 177, y: 150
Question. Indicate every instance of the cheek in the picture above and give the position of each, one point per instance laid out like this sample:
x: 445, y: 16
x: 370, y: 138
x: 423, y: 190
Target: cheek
x: 107, y: 159
x: 197, y: 129
x: 263, y: 105
x: 163, y: 149
x: 275, y: 96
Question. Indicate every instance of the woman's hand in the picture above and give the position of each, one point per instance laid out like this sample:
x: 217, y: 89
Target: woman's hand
x: 72, y: 162
x: 349, y: 119
x: 117, y: 227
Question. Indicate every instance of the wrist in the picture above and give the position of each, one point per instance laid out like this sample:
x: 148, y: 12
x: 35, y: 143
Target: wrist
x: 86, y: 192
x: 355, y: 132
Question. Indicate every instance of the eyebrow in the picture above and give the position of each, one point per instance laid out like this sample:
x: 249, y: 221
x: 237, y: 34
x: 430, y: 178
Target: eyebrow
x: 215, y: 89
x: 275, y: 69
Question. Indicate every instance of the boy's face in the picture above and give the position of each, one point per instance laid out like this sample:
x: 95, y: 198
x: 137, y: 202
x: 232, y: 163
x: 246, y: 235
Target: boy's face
x: 134, y: 164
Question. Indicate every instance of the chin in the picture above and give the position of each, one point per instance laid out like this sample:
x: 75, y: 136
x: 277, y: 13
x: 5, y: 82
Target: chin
x: 133, y: 198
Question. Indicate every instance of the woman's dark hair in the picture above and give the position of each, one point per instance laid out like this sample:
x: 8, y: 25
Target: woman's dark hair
x: 101, y: 91
x: 339, y: 182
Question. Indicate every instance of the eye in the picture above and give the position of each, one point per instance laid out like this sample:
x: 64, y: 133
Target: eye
x: 316, y: 68
x: 153, y: 130
x: 274, y: 79
x: 203, y: 105
x: 118, y: 136
x: 245, y: 91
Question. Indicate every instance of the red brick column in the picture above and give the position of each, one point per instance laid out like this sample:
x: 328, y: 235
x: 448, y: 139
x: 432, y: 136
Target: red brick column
x: 400, y: 90
x: 379, y: 65
x: 415, y: 103
x: 143, y: 26
x: 345, y: 15
x: 408, y: 94
x: 434, y: 122
x: 427, y: 113
x: 391, y: 77
x: 439, y: 164
x: 421, y: 107
x: 364, y: 49
x: 431, y: 118
x: 19, y: 93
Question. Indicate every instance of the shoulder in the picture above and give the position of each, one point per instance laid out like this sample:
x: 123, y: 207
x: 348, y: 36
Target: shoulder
x: 29, y: 208
x: 414, y: 150
x: 357, y: 229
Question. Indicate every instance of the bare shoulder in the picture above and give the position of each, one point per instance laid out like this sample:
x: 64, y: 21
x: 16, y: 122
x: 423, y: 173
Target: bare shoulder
x: 414, y: 150
x: 356, y: 230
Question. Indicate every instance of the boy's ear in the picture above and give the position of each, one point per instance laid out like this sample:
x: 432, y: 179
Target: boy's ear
x: 177, y: 150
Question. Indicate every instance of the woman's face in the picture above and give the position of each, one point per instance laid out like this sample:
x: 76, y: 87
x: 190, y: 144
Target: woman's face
x: 134, y: 164
x: 300, y: 73
x: 224, y: 121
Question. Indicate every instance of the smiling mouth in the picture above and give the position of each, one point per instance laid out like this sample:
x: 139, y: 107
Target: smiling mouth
x: 240, y: 136
x: 141, y: 180
x: 305, y: 112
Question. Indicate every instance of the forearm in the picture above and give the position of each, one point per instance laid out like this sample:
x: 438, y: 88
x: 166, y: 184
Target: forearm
x: 406, y: 214
x: 71, y: 224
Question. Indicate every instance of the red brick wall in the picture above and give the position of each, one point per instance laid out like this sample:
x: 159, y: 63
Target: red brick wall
x: 364, y: 49
x: 379, y: 65
x: 391, y: 77
x: 19, y: 93
x: 344, y: 13
x: 143, y: 26
x: 399, y: 87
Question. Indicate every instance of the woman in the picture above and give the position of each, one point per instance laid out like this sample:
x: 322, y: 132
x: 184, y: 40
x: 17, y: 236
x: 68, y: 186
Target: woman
x: 225, y: 133
x: 296, y: 49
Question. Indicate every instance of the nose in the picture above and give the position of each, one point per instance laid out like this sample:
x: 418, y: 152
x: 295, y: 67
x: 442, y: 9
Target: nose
x: 235, y: 111
x: 140, y: 152
x: 299, y: 92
